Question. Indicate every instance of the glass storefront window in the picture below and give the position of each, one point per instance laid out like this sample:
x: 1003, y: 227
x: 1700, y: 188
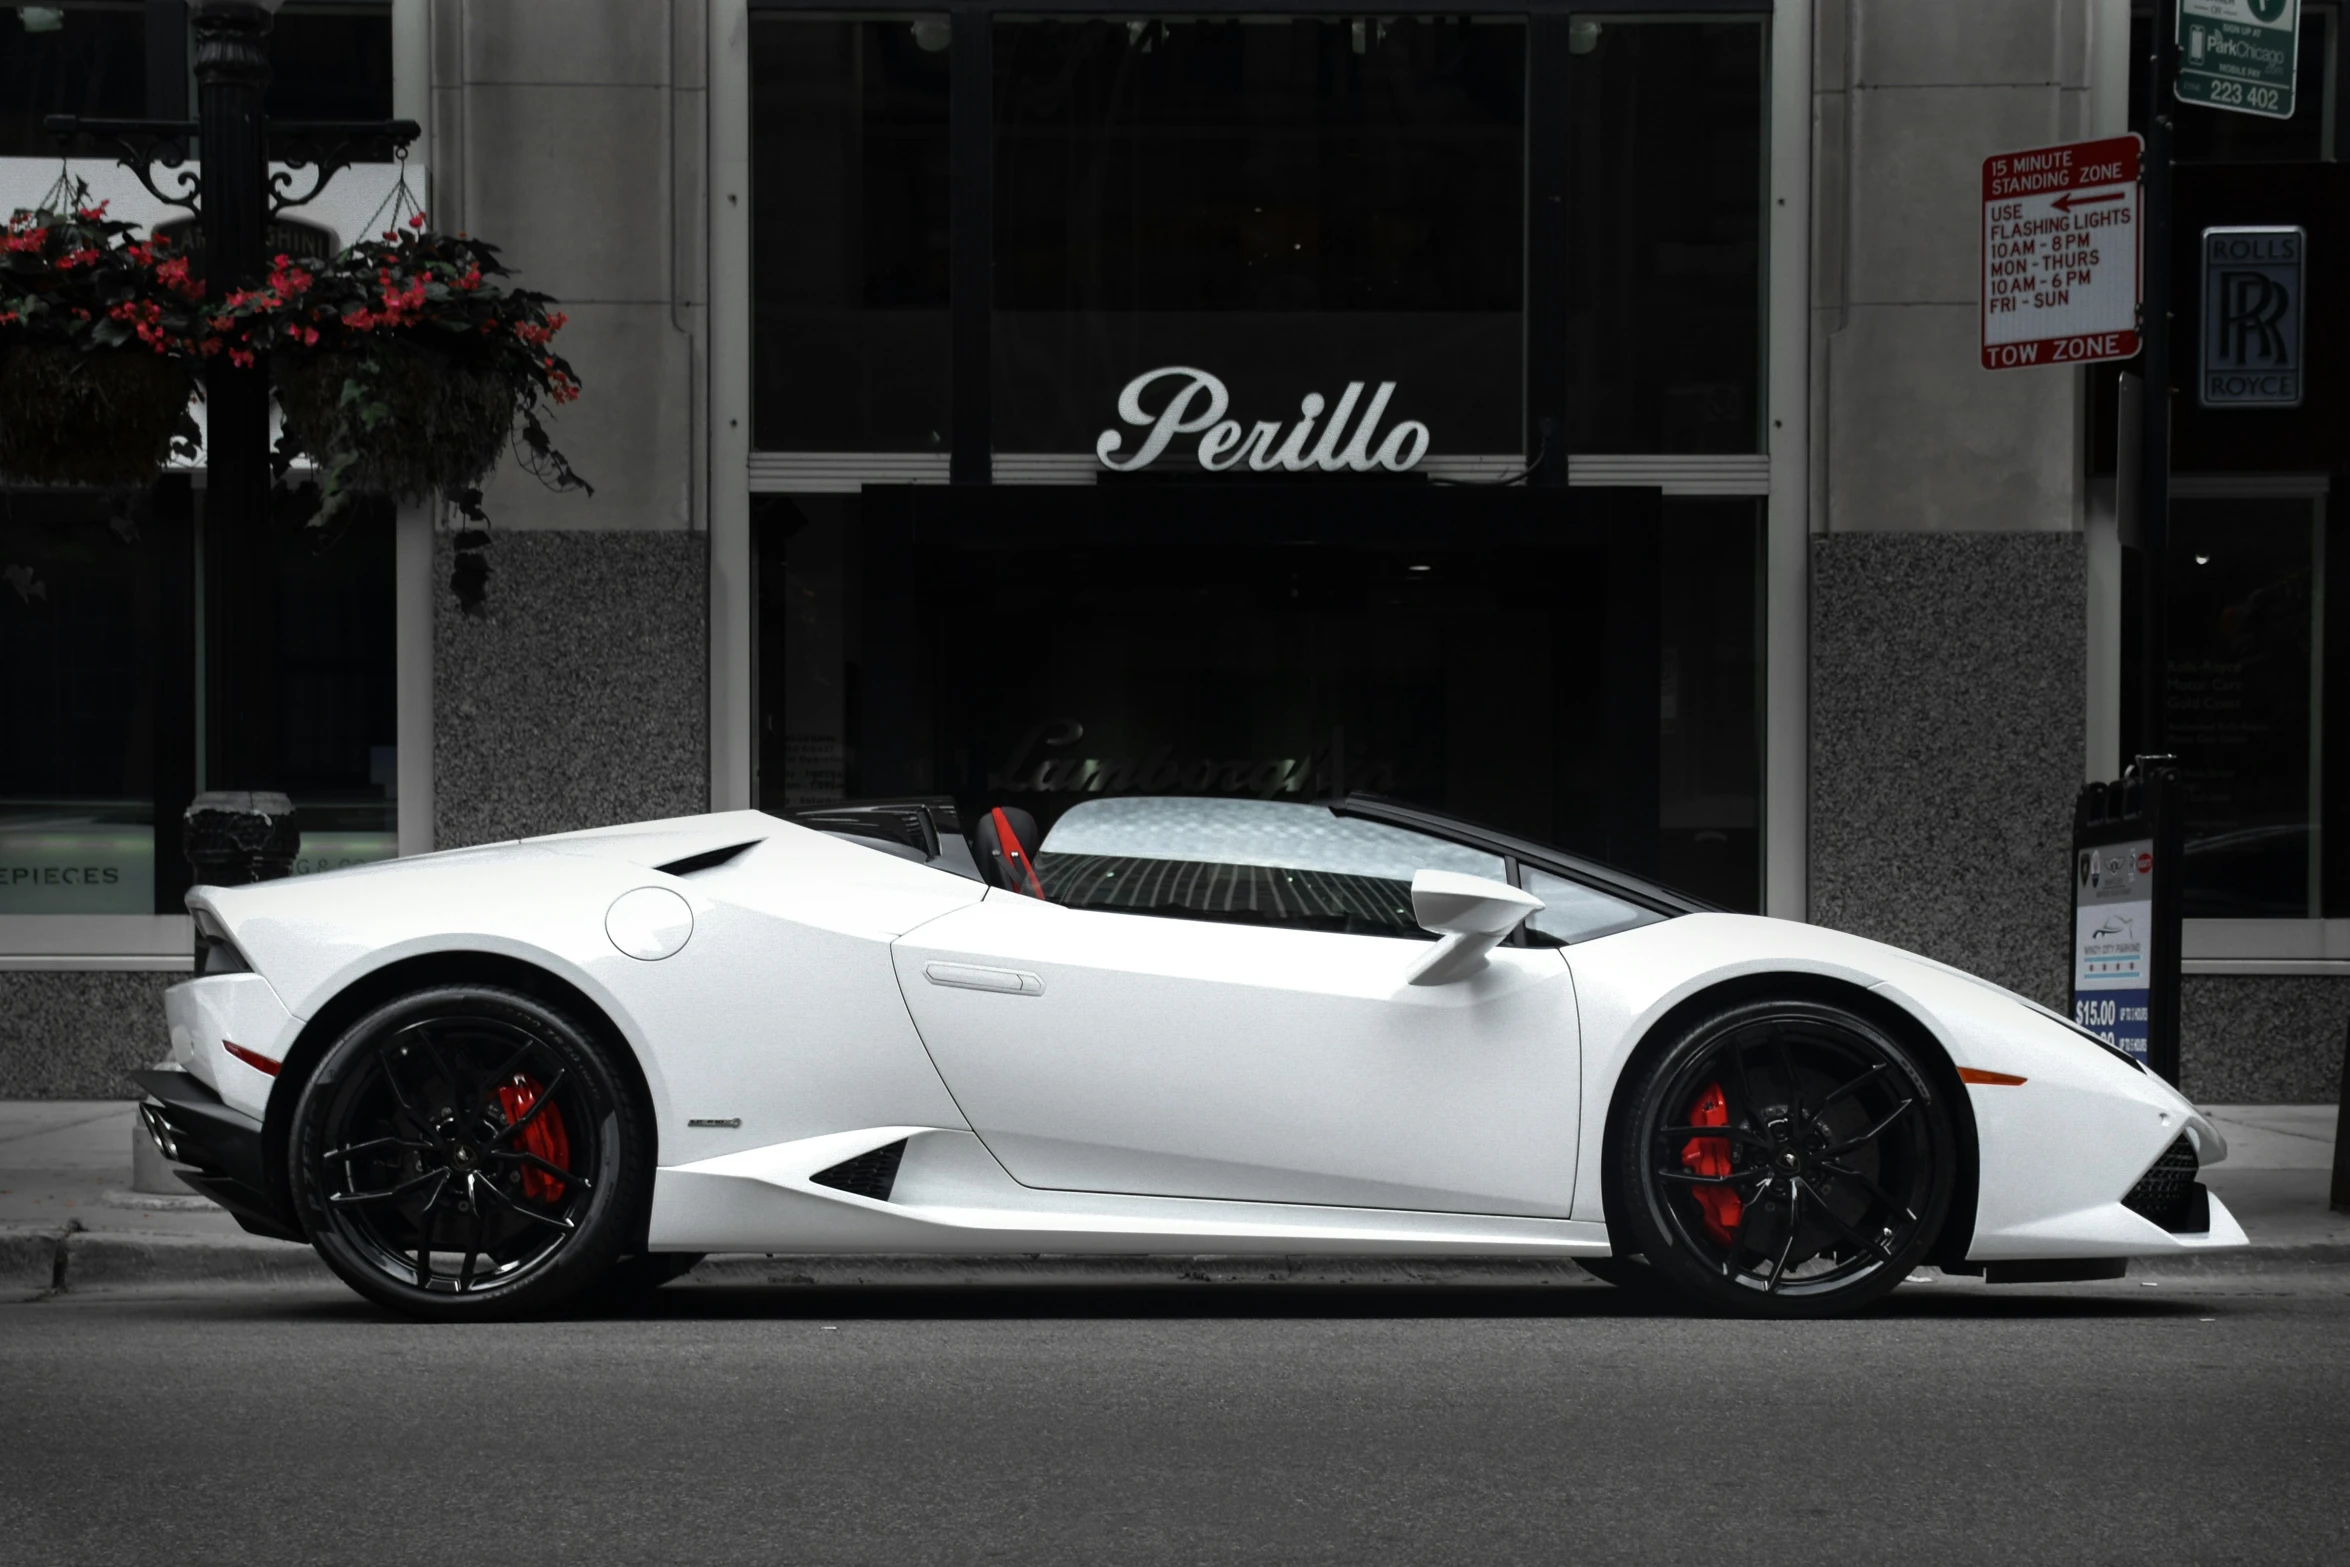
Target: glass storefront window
x: 54, y: 60
x: 1288, y: 203
x: 1289, y: 208
x: 849, y: 234
x: 2247, y: 650
x: 1709, y: 701
x: 338, y: 696
x: 84, y: 577
x: 1596, y: 687
x: 329, y: 60
x: 1665, y: 253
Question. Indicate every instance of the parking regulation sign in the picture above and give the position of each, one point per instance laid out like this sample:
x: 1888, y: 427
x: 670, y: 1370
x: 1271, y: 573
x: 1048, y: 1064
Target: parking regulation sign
x: 2060, y: 254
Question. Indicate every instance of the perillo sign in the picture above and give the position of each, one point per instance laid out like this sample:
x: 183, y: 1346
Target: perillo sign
x: 1197, y: 406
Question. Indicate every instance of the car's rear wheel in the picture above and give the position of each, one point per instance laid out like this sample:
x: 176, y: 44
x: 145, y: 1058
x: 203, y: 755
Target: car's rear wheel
x: 470, y: 1152
x: 1783, y: 1158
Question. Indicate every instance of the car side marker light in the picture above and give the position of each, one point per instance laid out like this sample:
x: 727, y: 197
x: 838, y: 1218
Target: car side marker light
x: 252, y: 1058
x: 1975, y: 1074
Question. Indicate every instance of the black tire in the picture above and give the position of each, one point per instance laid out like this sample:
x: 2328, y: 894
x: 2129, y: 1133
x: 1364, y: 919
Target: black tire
x: 476, y: 1127
x: 1827, y: 1183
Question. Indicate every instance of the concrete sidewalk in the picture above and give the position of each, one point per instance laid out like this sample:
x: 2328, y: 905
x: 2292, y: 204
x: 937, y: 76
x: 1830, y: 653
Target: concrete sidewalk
x: 68, y: 1216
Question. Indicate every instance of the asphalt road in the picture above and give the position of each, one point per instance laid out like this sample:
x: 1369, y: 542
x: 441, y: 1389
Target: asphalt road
x: 2196, y: 1420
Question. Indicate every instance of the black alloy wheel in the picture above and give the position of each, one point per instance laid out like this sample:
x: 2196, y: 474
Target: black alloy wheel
x: 1783, y: 1158
x: 469, y: 1153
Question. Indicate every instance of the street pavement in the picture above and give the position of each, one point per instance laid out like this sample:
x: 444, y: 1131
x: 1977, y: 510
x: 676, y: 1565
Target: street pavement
x: 2176, y: 1419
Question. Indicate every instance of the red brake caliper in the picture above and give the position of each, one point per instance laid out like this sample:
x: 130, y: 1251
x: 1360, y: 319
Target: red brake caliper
x: 1711, y: 1156
x: 545, y: 1136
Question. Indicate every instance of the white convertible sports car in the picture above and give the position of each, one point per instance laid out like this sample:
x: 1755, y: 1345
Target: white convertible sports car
x: 487, y: 1081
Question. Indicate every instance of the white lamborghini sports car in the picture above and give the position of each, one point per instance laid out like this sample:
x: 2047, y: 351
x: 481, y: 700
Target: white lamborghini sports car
x: 488, y: 1081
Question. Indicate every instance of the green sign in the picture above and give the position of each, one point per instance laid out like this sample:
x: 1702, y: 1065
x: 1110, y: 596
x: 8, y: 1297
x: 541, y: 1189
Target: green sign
x: 2239, y: 55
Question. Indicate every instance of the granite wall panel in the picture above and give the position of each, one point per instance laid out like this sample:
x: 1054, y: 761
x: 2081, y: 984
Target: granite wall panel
x: 2262, y: 1039
x: 1946, y: 747
x: 579, y: 695
x: 74, y: 1034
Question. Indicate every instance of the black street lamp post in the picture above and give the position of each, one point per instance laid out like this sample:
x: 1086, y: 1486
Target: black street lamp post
x: 239, y: 830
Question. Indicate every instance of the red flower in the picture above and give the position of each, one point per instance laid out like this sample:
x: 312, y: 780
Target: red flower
x: 416, y: 222
x: 241, y: 357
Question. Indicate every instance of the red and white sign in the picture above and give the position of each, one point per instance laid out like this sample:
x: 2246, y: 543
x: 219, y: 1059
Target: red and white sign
x: 2060, y: 254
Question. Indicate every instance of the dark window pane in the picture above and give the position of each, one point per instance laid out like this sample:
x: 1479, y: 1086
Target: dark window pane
x: 1709, y: 742
x: 331, y: 62
x: 86, y: 60
x: 2242, y: 634
x: 1290, y: 204
x: 82, y: 576
x: 849, y: 234
x: 1665, y: 274
x: 338, y: 713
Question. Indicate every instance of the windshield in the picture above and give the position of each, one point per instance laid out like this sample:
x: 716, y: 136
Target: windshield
x: 1260, y: 861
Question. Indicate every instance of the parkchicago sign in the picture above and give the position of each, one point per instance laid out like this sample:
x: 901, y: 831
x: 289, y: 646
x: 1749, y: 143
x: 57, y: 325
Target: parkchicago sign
x: 1197, y: 404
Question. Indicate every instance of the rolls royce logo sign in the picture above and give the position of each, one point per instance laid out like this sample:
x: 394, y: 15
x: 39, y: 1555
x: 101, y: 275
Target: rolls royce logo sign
x: 2252, y: 313
x: 1193, y: 403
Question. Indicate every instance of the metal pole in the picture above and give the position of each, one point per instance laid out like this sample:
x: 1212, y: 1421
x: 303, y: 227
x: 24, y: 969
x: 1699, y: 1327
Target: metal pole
x: 232, y: 74
x: 2162, y: 70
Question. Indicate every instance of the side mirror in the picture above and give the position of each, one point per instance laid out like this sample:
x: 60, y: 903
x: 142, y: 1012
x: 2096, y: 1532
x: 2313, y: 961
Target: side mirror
x: 1471, y: 913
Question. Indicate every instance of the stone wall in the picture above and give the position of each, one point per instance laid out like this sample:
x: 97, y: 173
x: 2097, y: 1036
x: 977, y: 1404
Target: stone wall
x: 571, y: 133
x: 1946, y: 706
x: 579, y: 695
x: 2262, y: 1039
x: 1908, y: 431
x: 74, y: 1034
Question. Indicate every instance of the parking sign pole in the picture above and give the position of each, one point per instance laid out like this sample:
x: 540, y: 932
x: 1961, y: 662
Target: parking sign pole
x: 2162, y: 70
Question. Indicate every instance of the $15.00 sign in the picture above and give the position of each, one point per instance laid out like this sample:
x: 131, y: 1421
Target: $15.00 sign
x: 2060, y: 254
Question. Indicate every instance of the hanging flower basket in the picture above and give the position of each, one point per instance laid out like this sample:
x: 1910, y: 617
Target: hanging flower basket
x: 414, y: 422
x: 100, y: 337
x: 98, y: 417
x: 406, y: 366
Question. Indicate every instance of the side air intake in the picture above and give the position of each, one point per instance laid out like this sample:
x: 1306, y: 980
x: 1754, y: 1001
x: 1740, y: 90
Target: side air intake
x: 2170, y: 1195
x: 867, y: 1175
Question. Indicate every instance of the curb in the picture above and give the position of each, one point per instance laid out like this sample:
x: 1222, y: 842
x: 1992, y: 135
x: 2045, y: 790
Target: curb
x: 46, y: 1262
x: 39, y: 1263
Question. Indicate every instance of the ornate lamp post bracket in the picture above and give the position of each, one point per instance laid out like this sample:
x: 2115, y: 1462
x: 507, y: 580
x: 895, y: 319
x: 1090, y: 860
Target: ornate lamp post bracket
x: 320, y: 148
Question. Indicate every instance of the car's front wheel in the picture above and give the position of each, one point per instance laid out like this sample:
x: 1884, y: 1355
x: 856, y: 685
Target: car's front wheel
x: 1783, y: 1158
x: 470, y: 1152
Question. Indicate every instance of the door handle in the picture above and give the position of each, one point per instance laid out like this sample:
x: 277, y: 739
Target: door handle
x: 970, y: 976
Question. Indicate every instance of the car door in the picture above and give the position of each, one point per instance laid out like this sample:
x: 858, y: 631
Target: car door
x: 1183, y: 1054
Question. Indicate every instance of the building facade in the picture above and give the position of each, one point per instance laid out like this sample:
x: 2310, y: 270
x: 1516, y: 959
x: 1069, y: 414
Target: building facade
x: 1570, y: 420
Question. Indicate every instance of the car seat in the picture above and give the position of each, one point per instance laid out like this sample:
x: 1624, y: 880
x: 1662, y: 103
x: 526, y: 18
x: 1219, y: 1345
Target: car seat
x: 1003, y: 838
